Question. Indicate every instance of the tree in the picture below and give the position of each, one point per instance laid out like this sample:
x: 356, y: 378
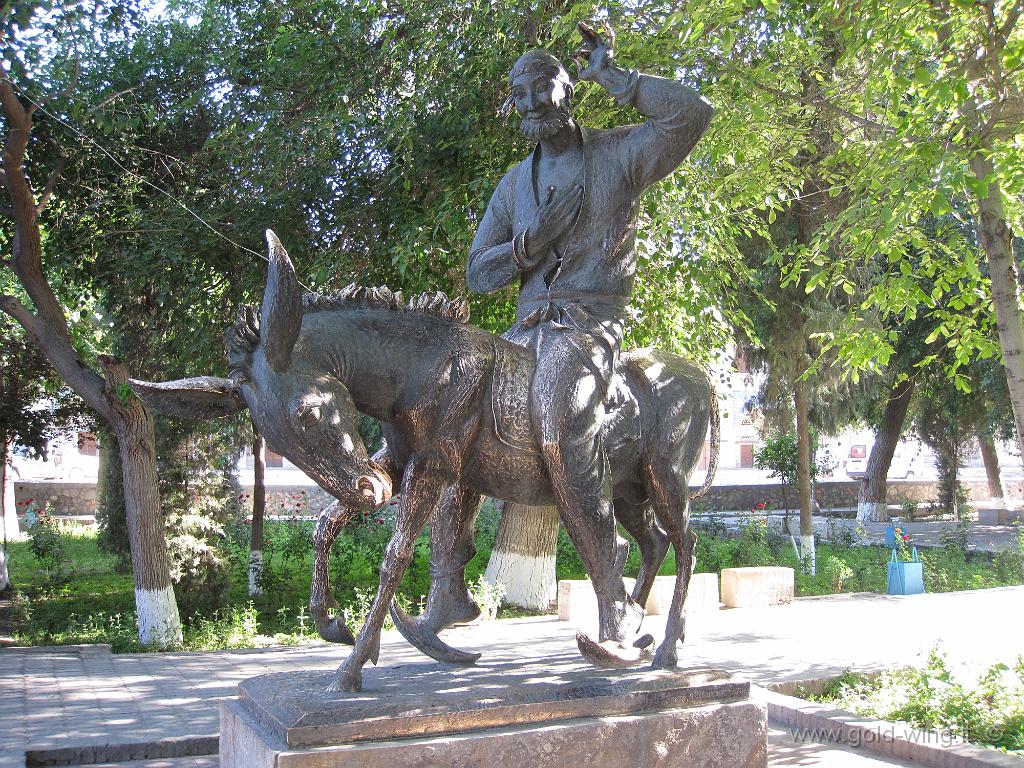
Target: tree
x: 779, y: 455
x: 938, y: 127
x: 106, y: 392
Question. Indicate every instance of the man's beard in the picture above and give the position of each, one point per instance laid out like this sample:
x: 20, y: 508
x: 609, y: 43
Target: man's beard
x: 538, y: 129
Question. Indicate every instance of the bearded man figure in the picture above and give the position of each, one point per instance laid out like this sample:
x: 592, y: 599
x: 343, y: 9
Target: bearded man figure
x: 563, y: 221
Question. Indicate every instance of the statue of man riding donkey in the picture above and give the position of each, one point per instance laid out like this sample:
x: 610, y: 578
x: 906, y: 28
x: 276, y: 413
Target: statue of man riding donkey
x: 548, y: 413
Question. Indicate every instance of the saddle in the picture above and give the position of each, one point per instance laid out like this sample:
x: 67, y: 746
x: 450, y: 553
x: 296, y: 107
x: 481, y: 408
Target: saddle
x: 510, y: 401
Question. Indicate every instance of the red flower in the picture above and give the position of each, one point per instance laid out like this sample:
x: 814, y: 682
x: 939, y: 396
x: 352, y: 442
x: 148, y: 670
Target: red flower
x: 267, y: 543
x: 28, y: 501
x: 906, y: 538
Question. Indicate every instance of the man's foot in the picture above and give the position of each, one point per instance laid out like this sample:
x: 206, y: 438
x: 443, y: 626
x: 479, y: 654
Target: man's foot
x: 612, y: 654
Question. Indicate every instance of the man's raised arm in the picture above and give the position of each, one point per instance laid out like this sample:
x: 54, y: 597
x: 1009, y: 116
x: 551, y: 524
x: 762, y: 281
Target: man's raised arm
x: 678, y: 114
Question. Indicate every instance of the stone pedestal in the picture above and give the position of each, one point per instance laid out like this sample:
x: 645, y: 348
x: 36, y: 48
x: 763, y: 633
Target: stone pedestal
x: 540, y: 713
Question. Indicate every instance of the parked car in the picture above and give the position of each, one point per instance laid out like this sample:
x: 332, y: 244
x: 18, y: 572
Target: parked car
x: 907, y: 463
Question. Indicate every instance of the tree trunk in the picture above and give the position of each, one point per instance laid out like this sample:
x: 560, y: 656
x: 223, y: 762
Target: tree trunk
x: 803, y: 474
x: 155, y: 607
x: 259, y: 508
x: 991, y: 459
x: 996, y: 239
x: 523, y: 558
x: 871, y: 504
x: 8, y: 510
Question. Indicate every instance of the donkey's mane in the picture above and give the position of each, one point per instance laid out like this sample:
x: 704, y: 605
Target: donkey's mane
x: 242, y: 338
x: 354, y: 296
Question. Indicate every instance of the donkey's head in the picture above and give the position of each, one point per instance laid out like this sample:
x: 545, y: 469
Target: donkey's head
x: 305, y: 413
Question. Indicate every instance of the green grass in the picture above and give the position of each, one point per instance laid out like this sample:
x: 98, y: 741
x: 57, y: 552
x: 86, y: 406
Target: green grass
x: 84, y: 600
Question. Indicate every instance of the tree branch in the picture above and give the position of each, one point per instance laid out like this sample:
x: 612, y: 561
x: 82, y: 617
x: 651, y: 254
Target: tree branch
x: 1012, y: 17
x: 27, y: 244
x: 61, y: 355
x: 50, y: 183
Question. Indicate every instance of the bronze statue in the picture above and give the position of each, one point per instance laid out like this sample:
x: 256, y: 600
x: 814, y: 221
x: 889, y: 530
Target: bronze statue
x: 547, y: 415
x: 304, y: 365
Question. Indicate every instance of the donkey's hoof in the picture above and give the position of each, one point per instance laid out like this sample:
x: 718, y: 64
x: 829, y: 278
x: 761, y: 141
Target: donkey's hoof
x: 454, y: 611
x: 349, y: 680
x: 428, y: 642
x: 665, y: 658
x: 611, y: 653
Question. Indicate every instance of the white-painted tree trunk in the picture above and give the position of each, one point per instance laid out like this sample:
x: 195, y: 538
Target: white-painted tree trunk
x: 255, y: 569
x: 157, y: 615
x: 872, y: 511
x: 259, y: 510
x: 808, y: 553
x: 523, y: 557
x: 529, y: 580
x: 5, y: 577
x: 9, y: 522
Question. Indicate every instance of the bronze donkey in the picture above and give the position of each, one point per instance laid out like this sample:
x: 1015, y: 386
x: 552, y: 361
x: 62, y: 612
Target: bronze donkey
x: 453, y: 399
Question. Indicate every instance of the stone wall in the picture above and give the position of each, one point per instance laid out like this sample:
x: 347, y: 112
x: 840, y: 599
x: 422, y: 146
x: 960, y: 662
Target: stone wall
x: 289, y: 500
x: 66, y: 499
x: 79, y: 499
x: 837, y: 494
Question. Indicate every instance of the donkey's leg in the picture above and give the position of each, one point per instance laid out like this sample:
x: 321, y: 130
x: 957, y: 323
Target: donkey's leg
x: 670, y: 496
x: 421, y: 487
x: 451, y: 548
x: 638, y: 520
x: 331, y: 628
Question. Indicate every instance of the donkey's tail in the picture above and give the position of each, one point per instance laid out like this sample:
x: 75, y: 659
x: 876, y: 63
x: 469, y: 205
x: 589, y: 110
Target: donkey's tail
x: 715, y: 426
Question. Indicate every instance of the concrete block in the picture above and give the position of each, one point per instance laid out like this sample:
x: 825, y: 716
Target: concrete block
x: 757, y: 587
x: 578, y: 603
x: 702, y: 594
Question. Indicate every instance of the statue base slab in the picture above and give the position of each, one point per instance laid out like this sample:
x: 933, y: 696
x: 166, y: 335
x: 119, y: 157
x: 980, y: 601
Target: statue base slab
x: 538, y: 713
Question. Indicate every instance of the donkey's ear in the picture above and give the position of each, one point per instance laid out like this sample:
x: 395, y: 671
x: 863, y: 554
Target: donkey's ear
x: 281, y: 315
x: 203, y: 397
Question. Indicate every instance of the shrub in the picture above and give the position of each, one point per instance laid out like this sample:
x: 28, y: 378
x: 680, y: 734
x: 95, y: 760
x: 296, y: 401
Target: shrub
x: 198, y: 571
x: 838, y: 572
x: 46, y: 540
x: 987, y: 711
x: 956, y: 537
x: 1009, y: 563
x: 488, y: 596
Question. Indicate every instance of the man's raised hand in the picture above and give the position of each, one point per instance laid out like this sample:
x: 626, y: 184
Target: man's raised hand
x: 596, y: 51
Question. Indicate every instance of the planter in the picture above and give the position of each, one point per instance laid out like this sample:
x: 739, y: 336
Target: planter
x: 906, y: 577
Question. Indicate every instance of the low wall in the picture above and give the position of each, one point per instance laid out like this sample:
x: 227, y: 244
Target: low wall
x: 68, y: 499
x: 837, y: 494
x: 71, y: 499
x: 79, y: 499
